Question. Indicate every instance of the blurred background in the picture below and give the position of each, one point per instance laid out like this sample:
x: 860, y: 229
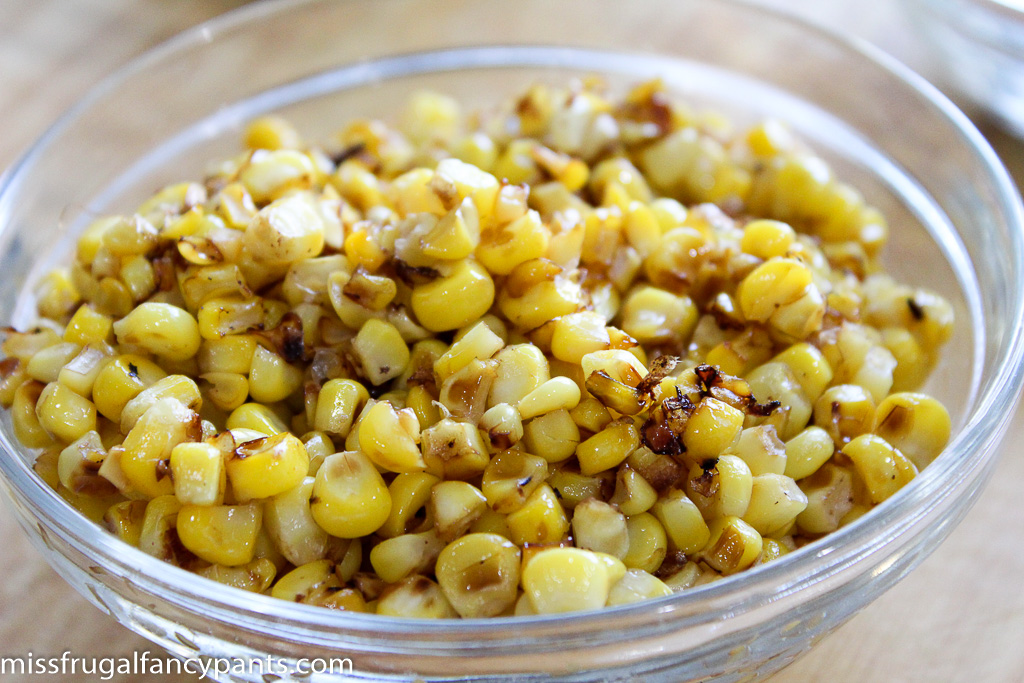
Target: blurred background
x: 956, y: 618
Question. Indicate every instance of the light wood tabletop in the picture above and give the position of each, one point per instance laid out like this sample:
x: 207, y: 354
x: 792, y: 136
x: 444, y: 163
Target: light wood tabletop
x: 958, y: 617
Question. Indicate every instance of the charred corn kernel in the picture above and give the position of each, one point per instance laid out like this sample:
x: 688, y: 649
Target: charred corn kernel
x: 255, y: 576
x: 553, y: 436
x: 916, y: 424
x: 454, y: 450
x: 608, y: 448
x: 845, y: 411
x: 653, y: 316
x: 776, y: 382
x: 682, y: 520
x: 271, y: 132
x: 88, y: 326
x: 161, y: 329
x: 883, y: 468
x: 761, y: 449
x: 148, y: 446
x: 201, y: 285
x: 416, y: 597
x: 256, y: 417
x: 64, y: 414
x: 713, y: 427
x: 479, y: 574
x: 573, y: 488
x: 80, y: 373
x: 775, y: 501
x: 734, y: 545
x: 227, y: 390
x: 454, y: 506
x: 394, y: 559
x: 598, y: 526
x: 720, y: 487
x: 767, y: 239
x: 221, y: 534
x: 612, y: 377
x: 635, y: 586
x: 271, y: 378
x: 124, y: 520
x: 350, y: 498
x: 197, y: 470
x: 27, y: 427
x: 808, y: 451
x: 390, y: 438
x: 46, y: 365
x: 267, y: 466
x: 648, y: 543
x: 633, y: 494
x: 503, y: 426
x: 565, y: 580
x: 452, y: 301
x: 829, y: 494
x: 337, y: 404
x: 510, y: 478
x: 478, y: 343
x: 503, y: 247
x: 554, y: 394
x: 410, y: 492
x: 173, y: 386
x: 310, y: 583
x: 78, y: 466
x: 156, y: 537
x: 540, y: 520
x: 521, y: 368
x: 809, y: 367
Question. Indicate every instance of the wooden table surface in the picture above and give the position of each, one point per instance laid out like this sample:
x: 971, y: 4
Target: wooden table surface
x: 958, y: 617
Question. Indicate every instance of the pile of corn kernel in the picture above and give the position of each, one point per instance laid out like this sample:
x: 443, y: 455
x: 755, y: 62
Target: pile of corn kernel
x: 566, y: 353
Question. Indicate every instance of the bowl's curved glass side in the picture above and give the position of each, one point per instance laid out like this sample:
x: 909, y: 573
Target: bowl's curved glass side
x: 747, y: 623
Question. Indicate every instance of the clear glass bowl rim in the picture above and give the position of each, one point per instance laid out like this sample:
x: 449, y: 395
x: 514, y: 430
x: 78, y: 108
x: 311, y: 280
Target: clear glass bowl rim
x: 784, y: 577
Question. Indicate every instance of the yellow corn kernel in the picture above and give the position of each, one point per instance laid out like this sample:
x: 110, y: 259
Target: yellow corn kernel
x: 271, y: 378
x: 396, y: 558
x: 79, y: 464
x: 734, y: 545
x: 228, y: 354
x: 271, y: 173
x: 80, y: 373
x: 87, y: 326
x: 454, y: 300
x: 635, y: 586
x: 410, y: 493
x: 491, y: 522
x: 390, y: 438
x: 255, y: 576
x: 782, y: 293
x: 162, y: 329
x: 720, y: 487
x: 591, y: 415
x: 537, y: 291
x: 653, y: 316
x: 318, y: 446
x: 682, y: 520
x: 633, y: 494
x: 124, y: 520
x: 577, y: 334
x: 809, y: 367
x: 128, y: 236
x: 350, y: 498
x: 422, y: 403
x: 120, y: 381
x: 479, y: 574
x: 173, y: 386
x: 807, y: 452
x: 503, y: 426
x: 416, y: 597
x: 510, y: 478
x: 148, y: 446
x: 271, y: 132
x: 478, y: 343
x: 227, y: 390
x: 767, y: 239
x: 256, y: 417
x: 608, y: 448
x: 12, y: 376
x: 565, y: 580
x: 27, y: 428
x: 504, y: 246
x: 775, y: 501
x: 553, y: 436
x: 306, y: 583
x: 916, y: 424
x: 221, y: 534
x: 521, y: 368
x: 267, y: 466
x: 648, y: 543
x: 883, y: 468
x: 456, y: 235
x: 598, y: 526
x: 454, y: 506
x: 761, y: 449
x: 64, y: 414
x: 158, y: 524
x: 454, y: 450
x: 845, y: 411
x: 197, y: 470
x: 573, y: 488
x: 45, y: 366
x: 554, y: 394
x: 829, y: 494
x: 714, y: 427
x: 540, y: 520
x: 776, y: 382
x: 337, y: 404
x: 380, y: 349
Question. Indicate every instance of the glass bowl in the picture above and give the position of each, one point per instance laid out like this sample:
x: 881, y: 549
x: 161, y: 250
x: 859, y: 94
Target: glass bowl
x: 981, y: 45
x: 956, y: 228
